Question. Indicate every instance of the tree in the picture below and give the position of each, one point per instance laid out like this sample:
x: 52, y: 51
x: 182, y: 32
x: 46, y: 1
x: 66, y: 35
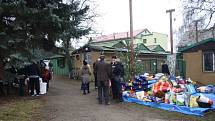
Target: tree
x: 76, y: 17
x: 197, y: 15
x: 38, y: 24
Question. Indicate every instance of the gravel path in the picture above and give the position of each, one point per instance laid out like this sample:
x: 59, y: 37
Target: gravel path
x: 65, y: 102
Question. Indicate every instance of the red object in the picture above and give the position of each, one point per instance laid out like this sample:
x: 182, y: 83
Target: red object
x: 46, y: 75
x: 163, y: 87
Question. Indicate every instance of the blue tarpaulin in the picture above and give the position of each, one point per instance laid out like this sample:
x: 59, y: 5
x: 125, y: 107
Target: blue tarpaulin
x: 170, y: 107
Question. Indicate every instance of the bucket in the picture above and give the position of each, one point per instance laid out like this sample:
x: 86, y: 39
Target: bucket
x: 43, y: 88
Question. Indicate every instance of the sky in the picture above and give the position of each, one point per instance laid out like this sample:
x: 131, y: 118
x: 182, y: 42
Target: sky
x: 150, y: 14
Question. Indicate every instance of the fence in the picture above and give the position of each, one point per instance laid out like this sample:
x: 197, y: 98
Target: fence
x: 153, y: 66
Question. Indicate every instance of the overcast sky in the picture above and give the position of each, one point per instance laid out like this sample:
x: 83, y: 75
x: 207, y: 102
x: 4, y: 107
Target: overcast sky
x: 150, y: 14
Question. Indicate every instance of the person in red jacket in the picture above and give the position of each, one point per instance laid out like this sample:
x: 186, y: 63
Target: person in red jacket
x: 46, y: 76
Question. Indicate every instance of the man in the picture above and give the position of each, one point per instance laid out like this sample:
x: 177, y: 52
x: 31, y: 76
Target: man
x: 118, y: 74
x: 34, y: 74
x: 113, y: 84
x: 95, y: 73
x: 103, y: 76
x: 165, y: 68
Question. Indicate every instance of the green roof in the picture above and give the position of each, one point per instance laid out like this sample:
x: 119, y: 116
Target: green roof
x: 109, y: 43
x: 141, y: 47
x: 56, y: 56
x: 155, y: 48
x: 121, y: 45
x: 197, y: 44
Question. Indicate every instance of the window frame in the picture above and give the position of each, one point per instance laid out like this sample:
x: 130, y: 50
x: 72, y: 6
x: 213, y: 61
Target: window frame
x: 155, y: 40
x: 144, y: 41
x: 61, y: 62
x: 213, y: 57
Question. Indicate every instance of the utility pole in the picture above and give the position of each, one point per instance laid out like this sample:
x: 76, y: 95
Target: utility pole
x: 171, y: 34
x: 132, y: 39
x: 196, y: 27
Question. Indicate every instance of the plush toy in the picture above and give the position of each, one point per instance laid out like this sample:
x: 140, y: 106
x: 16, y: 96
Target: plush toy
x: 204, y: 101
x: 193, y: 101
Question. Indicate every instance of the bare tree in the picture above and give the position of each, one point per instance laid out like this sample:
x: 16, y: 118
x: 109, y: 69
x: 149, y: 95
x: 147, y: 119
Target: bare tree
x: 197, y: 15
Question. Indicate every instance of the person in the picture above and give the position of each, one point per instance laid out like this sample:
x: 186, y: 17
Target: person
x: 34, y: 74
x: 1, y: 77
x: 51, y: 69
x: 117, y: 74
x: 103, y: 70
x: 85, y: 72
x: 94, y: 72
x: 46, y: 76
x: 113, y: 85
x: 13, y: 71
x: 165, y: 68
x: 21, y: 76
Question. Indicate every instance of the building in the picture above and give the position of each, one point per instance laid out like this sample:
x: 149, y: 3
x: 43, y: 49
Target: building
x: 140, y: 36
x: 148, y: 58
x: 200, y: 61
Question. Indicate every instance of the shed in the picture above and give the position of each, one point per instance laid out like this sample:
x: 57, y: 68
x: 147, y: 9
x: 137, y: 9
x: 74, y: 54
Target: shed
x: 200, y: 61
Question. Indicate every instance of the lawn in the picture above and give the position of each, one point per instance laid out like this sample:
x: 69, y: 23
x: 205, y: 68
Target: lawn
x: 20, y: 109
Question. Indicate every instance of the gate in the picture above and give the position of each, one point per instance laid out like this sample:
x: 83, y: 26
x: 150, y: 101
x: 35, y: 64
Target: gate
x: 153, y: 66
x: 180, y: 68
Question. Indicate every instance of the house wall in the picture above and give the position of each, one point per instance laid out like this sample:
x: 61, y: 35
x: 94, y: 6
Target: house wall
x: 78, y: 62
x: 161, y: 39
x: 58, y: 70
x: 194, y: 66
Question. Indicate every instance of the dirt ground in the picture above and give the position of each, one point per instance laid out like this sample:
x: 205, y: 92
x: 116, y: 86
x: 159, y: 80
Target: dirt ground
x: 65, y: 102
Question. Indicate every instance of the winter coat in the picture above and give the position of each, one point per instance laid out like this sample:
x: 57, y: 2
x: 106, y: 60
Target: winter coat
x: 118, y: 70
x: 85, y: 72
x: 103, y: 72
x: 34, y: 71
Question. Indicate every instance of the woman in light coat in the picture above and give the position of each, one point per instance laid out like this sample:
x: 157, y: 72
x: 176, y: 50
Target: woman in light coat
x: 85, y: 72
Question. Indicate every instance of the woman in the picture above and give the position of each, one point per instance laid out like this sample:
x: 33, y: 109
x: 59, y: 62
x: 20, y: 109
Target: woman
x: 85, y: 72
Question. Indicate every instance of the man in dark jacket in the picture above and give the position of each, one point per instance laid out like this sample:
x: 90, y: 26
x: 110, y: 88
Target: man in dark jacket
x: 103, y: 70
x: 95, y: 73
x: 118, y: 74
x: 34, y: 75
x: 165, y: 68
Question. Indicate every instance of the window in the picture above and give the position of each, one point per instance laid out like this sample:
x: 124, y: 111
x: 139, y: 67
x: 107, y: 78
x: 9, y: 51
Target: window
x: 155, y: 40
x: 61, y: 62
x: 144, y: 40
x: 209, y: 62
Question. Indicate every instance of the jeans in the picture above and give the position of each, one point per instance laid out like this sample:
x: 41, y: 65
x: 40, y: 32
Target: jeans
x: 118, y: 87
x: 86, y: 86
x: 103, y: 92
x: 34, y: 83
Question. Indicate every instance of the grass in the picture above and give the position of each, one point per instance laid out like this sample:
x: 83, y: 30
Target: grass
x: 20, y: 109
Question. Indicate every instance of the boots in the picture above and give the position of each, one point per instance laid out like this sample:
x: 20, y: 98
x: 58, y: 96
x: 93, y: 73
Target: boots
x: 84, y: 88
x: 88, y: 87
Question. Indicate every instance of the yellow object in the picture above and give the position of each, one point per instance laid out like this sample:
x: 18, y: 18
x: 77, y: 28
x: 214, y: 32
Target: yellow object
x: 193, y: 101
x: 147, y: 100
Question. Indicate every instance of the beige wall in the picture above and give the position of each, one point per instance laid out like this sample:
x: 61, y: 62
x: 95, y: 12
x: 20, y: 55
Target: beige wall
x: 162, y: 40
x: 94, y: 56
x: 194, y: 67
